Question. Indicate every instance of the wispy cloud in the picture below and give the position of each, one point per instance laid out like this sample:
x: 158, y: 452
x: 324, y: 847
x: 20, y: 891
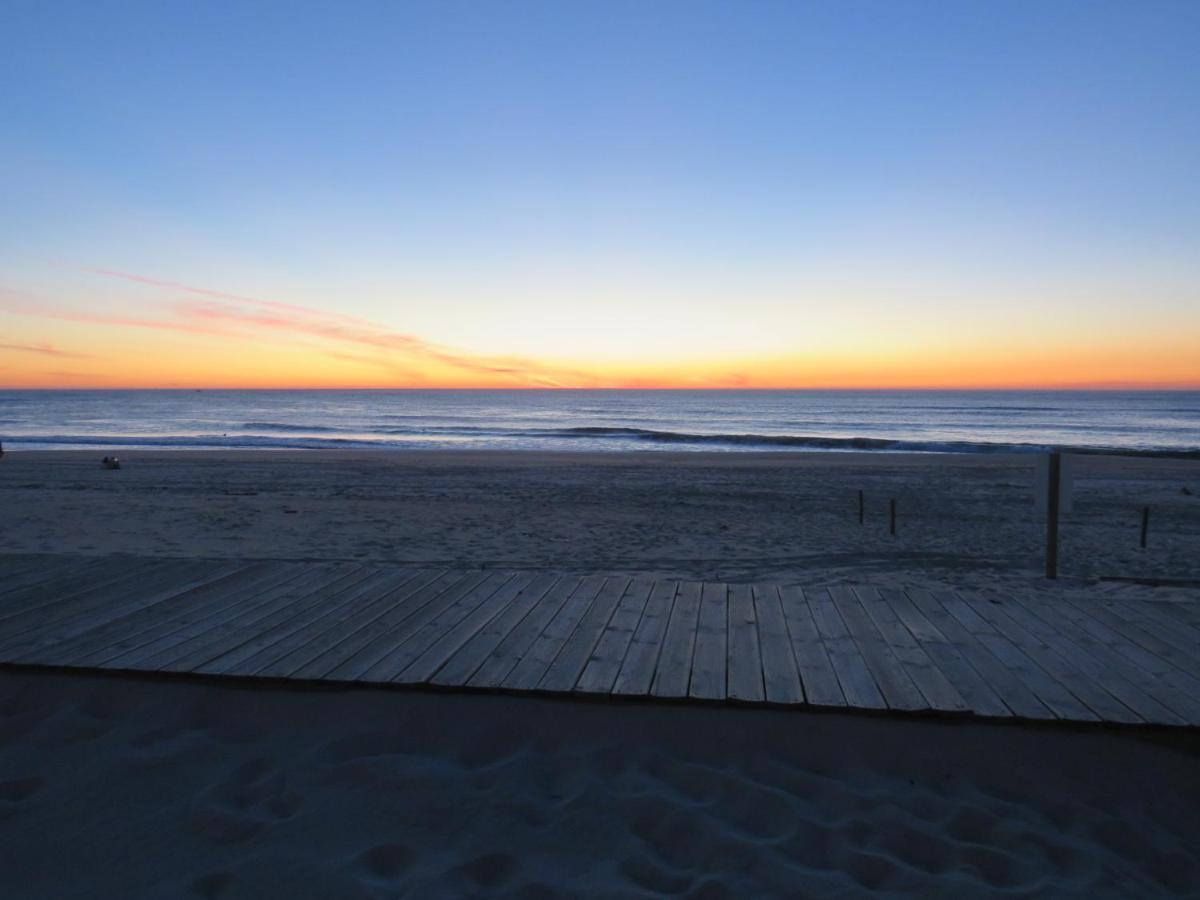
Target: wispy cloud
x: 388, y: 363
x: 226, y: 314
x: 203, y: 292
x: 27, y: 304
x: 42, y: 350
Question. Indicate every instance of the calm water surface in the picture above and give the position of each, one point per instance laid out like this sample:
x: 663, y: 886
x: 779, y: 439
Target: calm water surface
x: 974, y: 421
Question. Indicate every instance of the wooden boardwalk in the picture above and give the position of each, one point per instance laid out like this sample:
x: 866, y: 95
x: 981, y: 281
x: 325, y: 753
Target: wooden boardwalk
x: 880, y: 649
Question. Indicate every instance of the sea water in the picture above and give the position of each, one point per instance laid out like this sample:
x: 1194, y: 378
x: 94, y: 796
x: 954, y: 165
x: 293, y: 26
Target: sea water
x: 1152, y: 422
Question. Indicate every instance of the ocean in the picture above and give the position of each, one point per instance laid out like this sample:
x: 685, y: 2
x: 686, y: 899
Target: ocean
x: 1143, y: 422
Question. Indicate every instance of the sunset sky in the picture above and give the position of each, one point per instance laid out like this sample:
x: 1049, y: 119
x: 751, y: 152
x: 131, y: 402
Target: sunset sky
x: 605, y: 194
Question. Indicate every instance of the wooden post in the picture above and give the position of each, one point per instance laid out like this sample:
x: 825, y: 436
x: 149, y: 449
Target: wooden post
x: 1145, y: 524
x: 1052, y: 483
x: 860, y: 507
x: 892, y: 523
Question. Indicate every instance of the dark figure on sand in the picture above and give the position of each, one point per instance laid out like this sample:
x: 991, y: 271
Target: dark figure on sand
x: 110, y: 462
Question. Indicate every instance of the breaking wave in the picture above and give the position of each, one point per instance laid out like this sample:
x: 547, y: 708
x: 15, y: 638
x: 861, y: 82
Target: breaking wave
x: 300, y: 437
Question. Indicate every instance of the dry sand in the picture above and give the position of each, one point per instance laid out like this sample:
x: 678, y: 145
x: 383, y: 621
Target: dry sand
x: 125, y: 788
x: 967, y: 520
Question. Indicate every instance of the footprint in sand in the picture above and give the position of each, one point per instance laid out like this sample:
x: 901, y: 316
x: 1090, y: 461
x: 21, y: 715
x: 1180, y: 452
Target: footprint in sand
x: 15, y: 793
x: 169, y: 745
x: 385, y: 864
x: 18, y: 790
x: 254, y: 797
x: 647, y: 875
x: 213, y: 885
x: 490, y: 870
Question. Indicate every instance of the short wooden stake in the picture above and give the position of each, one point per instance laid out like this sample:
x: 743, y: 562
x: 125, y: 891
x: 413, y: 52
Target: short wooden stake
x: 1145, y: 524
x: 892, y: 523
x: 1052, y: 483
x: 860, y: 507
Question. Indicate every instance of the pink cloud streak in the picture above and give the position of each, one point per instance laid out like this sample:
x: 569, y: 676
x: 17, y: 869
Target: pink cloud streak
x: 230, y: 315
x: 43, y: 350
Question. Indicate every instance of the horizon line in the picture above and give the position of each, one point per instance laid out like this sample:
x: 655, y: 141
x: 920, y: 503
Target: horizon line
x: 1163, y: 386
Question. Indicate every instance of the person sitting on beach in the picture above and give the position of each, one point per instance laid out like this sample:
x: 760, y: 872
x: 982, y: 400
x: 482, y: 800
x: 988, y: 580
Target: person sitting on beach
x: 110, y: 462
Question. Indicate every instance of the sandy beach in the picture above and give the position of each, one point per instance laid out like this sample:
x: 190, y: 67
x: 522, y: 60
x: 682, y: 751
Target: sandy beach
x: 116, y: 787
x: 966, y: 519
x: 531, y: 450
x: 142, y: 787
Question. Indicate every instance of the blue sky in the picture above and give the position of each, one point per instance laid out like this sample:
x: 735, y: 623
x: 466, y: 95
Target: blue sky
x: 506, y: 177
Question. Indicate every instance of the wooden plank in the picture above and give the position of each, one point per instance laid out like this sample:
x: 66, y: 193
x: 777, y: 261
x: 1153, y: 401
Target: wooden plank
x: 1179, y: 640
x: 641, y: 658
x: 712, y: 635
x: 40, y: 604
x: 253, y: 655
x: 1169, y: 642
x: 1057, y: 698
x: 403, y: 643
x: 781, y: 678
x: 34, y: 603
x: 465, y: 661
x: 346, y: 654
x: 1185, y: 611
x: 600, y: 673
x: 1130, y: 684
x: 43, y: 574
x: 78, y: 571
x: 69, y: 620
x: 818, y: 678
x: 1110, y: 660
x: 853, y: 674
x: 452, y: 639
x: 1057, y: 665
x: 15, y: 564
x: 378, y: 589
x: 501, y: 661
x: 394, y: 631
x: 414, y: 644
x: 144, y: 626
x: 674, y: 670
x: 54, y: 589
x: 949, y: 654
x: 891, y: 677
x: 224, y: 645
x: 1177, y: 688
x: 208, y: 640
x: 935, y: 687
x: 322, y: 635
x: 1173, y: 615
x: 888, y: 673
x: 744, y: 665
x: 568, y: 664
x: 1015, y: 692
x: 239, y: 605
x: 529, y: 671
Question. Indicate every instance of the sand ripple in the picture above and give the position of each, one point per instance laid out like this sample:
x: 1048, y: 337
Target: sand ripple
x: 119, y: 787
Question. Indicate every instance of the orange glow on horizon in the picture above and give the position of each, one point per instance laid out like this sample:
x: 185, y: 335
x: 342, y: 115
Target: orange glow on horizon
x: 196, y: 364
x: 198, y: 338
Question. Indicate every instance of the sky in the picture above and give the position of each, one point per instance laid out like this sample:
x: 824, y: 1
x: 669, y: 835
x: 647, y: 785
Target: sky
x: 600, y: 194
